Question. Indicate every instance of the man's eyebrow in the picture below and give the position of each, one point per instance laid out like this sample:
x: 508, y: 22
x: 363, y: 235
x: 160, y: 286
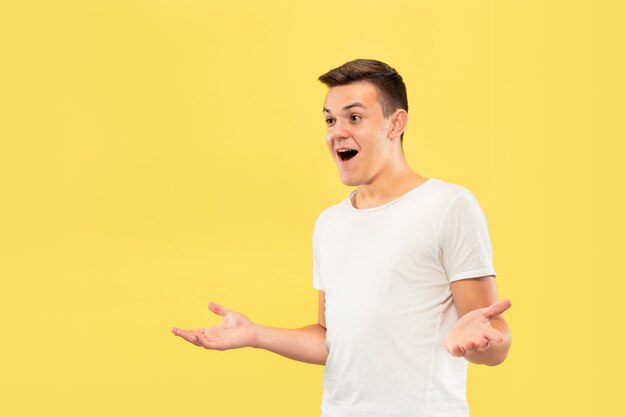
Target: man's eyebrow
x: 348, y: 107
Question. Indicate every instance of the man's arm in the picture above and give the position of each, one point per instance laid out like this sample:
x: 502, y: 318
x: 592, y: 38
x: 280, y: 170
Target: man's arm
x: 481, y: 335
x: 306, y: 344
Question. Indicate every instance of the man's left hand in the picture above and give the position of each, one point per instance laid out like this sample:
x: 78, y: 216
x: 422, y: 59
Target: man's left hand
x: 473, y: 332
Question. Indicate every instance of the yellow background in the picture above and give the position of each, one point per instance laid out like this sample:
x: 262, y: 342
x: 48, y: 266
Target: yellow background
x: 156, y: 155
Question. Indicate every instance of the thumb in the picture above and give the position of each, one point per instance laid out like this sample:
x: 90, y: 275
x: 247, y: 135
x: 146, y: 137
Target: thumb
x: 218, y: 309
x: 497, y: 308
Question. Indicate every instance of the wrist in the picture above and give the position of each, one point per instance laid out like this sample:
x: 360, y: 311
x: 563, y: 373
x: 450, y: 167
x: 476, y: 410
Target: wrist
x: 258, y: 335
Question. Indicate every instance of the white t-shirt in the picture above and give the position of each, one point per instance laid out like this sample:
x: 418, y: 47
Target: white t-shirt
x: 386, y: 272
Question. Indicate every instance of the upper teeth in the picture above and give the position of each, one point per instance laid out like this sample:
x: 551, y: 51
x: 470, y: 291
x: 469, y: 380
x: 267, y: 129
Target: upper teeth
x: 345, y: 150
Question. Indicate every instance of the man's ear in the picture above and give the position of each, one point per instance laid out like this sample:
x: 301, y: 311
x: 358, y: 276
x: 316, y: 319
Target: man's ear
x: 397, y: 123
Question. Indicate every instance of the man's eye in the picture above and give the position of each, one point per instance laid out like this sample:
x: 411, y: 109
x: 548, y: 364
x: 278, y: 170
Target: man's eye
x: 355, y: 117
x: 329, y: 121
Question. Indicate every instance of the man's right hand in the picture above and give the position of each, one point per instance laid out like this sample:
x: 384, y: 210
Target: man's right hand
x: 306, y: 344
x: 235, y: 331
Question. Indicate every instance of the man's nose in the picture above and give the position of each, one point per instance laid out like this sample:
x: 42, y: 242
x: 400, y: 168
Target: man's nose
x: 339, y: 130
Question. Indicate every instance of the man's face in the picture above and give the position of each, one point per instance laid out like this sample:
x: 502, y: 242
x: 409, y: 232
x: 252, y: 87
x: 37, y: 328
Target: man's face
x: 355, y: 122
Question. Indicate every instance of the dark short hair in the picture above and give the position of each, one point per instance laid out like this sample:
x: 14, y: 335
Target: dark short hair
x: 391, y: 88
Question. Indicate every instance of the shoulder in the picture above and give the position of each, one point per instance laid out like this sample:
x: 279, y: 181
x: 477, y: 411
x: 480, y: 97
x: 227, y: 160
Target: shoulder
x: 457, y: 208
x: 329, y: 217
x: 447, y: 193
x: 333, y: 212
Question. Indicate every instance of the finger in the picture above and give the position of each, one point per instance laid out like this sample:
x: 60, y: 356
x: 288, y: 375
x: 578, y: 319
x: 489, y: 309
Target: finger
x: 483, y: 345
x: 469, y: 347
x: 205, y: 342
x: 188, y: 335
x: 456, y: 351
x: 218, y: 309
x: 496, y: 308
x: 494, y: 336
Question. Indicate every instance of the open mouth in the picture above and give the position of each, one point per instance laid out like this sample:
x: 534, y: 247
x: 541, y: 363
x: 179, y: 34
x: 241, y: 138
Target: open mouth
x: 346, y: 154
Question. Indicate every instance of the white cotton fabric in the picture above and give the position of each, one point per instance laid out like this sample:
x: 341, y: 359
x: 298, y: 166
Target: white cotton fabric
x: 386, y: 273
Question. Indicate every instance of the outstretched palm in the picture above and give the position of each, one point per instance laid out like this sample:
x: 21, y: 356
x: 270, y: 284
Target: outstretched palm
x: 235, y: 331
x: 473, y: 332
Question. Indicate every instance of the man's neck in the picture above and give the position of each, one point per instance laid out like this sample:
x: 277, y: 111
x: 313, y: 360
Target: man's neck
x: 386, y: 188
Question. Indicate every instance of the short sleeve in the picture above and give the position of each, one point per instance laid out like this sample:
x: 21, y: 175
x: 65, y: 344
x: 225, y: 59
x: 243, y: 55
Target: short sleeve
x: 464, y: 242
x: 317, y: 281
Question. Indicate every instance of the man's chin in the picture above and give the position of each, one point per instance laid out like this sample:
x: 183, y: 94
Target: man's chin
x: 350, y: 182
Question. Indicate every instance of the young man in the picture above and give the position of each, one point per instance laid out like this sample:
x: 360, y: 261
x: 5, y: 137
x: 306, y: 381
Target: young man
x: 403, y: 266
